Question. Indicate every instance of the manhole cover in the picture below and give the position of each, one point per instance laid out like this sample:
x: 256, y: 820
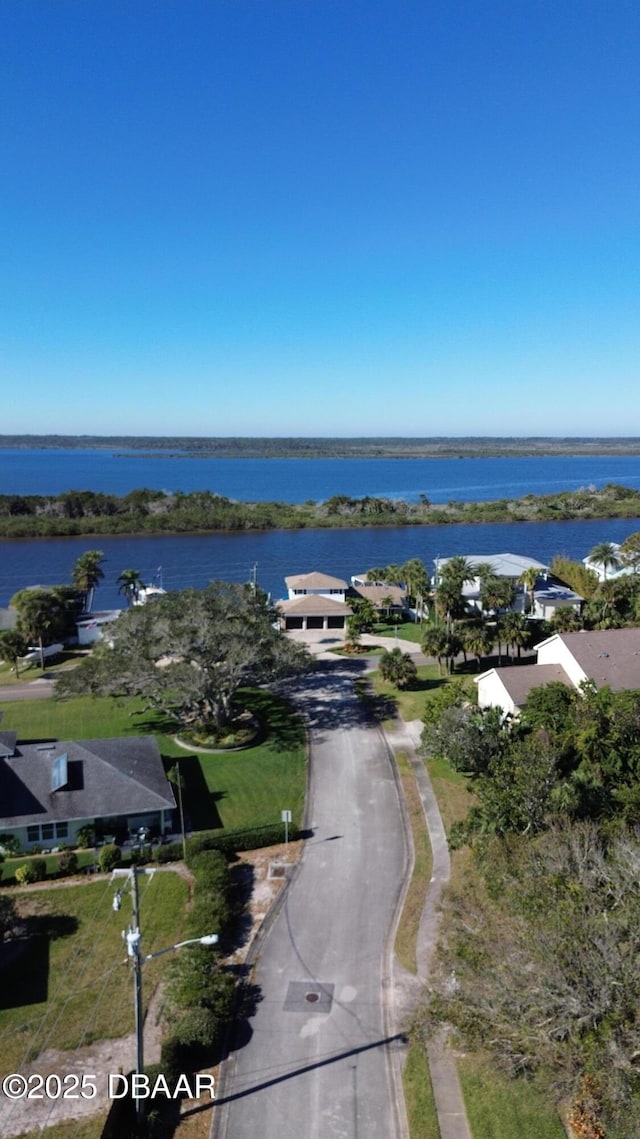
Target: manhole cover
x: 277, y: 870
x: 308, y: 996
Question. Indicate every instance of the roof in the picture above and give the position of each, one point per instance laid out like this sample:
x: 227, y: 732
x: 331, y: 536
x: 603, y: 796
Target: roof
x: 608, y: 656
x: 378, y: 593
x: 314, y: 581
x: 106, y: 777
x: 553, y: 592
x: 311, y: 605
x: 503, y: 565
x: 518, y: 681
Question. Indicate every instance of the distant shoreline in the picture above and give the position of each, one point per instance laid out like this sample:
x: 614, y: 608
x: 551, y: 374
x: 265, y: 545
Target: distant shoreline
x: 393, y: 447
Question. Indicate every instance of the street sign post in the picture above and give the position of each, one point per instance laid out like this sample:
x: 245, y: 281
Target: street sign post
x: 286, y: 819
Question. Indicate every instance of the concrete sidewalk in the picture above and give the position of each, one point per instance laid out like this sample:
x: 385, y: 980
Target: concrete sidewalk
x: 447, y: 1093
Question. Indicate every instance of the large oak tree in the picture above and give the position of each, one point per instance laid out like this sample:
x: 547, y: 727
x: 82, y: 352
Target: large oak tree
x: 188, y: 653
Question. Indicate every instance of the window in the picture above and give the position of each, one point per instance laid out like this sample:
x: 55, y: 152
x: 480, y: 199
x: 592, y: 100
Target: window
x: 47, y: 831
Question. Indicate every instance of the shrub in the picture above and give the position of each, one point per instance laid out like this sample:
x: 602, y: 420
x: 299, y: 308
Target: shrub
x: 86, y: 836
x: 9, y: 843
x: 30, y: 872
x: 68, y: 863
x: 109, y: 857
x: 172, y: 852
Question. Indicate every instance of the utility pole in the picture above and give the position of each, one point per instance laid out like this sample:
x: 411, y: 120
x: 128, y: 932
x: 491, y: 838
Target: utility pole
x: 132, y: 937
x: 179, y: 787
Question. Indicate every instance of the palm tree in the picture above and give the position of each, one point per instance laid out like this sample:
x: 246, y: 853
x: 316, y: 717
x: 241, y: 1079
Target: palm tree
x: 528, y: 578
x: 130, y: 583
x: 434, y: 643
x: 458, y: 569
x: 605, y: 554
x: 515, y: 630
x: 479, y: 641
x: 397, y: 667
x: 566, y: 620
x: 87, y: 574
x: 417, y: 582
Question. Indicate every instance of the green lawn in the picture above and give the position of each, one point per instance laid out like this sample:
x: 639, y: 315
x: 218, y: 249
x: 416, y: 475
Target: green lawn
x: 234, y: 790
x: 70, y: 986
x: 245, y: 789
x: 421, y: 1108
x: 407, y: 631
x: 410, y: 702
x: 501, y: 1108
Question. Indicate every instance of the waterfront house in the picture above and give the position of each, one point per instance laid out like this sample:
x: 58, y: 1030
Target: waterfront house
x: 316, y: 603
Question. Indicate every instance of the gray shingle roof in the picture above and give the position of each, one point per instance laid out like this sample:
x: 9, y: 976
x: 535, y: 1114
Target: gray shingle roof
x: 106, y: 777
x: 608, y: 656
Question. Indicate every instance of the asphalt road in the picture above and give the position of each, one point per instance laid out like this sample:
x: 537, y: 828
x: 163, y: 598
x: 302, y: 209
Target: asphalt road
x: 313, y: 1061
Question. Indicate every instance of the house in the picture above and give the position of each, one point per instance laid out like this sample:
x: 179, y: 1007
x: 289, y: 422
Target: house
x: 49, y: 790
x: 607, y: 572
x: 548, y: 592
x: 606, y: 657
x: 90, y: 626
x: 315, y: 603
x: 316, y: 585
x: 384, y: 596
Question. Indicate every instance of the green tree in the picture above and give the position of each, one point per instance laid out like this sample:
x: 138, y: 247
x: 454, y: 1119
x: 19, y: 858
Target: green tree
x: 398, y: 668
x: 435, y: 643
x: 130, y: 583
x: 605, y: 554
x: 528, y: 578
x: 516, y: 631
x: 496, y: 593
x: 630, y: 552
x: 87, y: 574
x: 42, y: 616
x: 363, y: 615
x: 577, y: 576
x: 189, y: 653
x: 546, y: 958
x: 566, y: 620
x: 477, y: 639
x: 417, y: 583
x: 13, y: 646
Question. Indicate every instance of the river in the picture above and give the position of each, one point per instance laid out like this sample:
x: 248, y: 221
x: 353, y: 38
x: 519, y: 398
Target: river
x: 194, y: 560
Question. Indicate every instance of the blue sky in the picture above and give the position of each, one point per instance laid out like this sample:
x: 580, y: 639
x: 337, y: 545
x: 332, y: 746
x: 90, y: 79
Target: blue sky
x: 320, y: 217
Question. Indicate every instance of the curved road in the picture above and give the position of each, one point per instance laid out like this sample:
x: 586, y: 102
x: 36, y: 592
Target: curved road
x: 316, y: 1062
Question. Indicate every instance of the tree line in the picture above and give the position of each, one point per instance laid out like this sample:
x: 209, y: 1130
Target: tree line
x: 145, y: 511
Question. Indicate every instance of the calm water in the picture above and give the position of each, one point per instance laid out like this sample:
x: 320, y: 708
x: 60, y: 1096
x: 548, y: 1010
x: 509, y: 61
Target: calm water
x: 194, y: 560
x: 296, y: 480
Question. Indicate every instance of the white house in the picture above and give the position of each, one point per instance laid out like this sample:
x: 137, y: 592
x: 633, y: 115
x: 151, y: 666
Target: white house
x: 607, y: 657
x: 316, y: 603
x: 91, y: 626
x: 548, y: 592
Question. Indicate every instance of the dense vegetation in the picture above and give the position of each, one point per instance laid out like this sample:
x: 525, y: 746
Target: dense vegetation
x: 311, y: 448
x: 147, y: 511
x: 540, y: 961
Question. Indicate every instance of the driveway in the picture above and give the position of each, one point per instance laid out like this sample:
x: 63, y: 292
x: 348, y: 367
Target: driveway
x: 314, y: 1061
